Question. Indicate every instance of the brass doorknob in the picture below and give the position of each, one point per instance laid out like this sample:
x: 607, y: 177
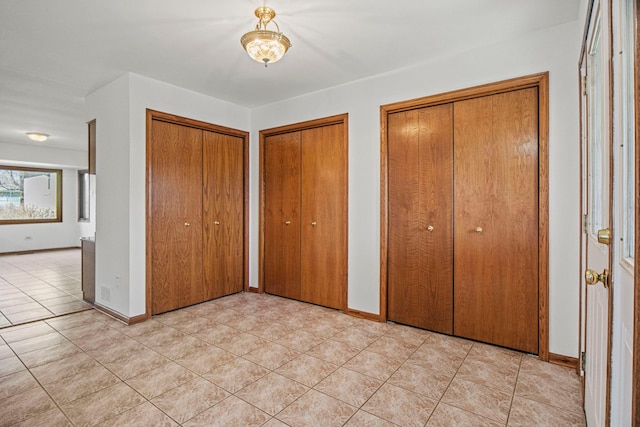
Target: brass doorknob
x: 314, y: 223
x: 478, y: 229
x: 593, y: 277
x: 216, y: 222
x: 287, y: 222
x: 430, y: 228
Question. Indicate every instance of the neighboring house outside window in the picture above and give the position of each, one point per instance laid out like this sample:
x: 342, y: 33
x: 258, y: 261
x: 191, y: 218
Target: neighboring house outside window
x: 30, y: 195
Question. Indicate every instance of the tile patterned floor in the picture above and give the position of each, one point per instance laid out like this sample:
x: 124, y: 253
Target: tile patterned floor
x: 40, y: 286
x: 251, y: 360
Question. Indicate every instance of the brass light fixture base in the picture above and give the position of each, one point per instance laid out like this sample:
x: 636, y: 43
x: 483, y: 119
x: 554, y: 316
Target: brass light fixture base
x: 265, y: 14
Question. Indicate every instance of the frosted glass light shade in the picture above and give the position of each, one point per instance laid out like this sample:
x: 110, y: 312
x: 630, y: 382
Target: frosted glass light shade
x: 265, y: 46
x: 37, y: 136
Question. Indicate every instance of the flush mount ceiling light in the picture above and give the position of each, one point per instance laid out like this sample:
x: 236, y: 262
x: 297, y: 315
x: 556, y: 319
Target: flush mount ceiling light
x: 264, y: 45
x: 37, y: 136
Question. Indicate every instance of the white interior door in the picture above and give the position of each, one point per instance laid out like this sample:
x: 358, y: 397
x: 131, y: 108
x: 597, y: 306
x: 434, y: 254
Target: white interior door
x: 597, y: 206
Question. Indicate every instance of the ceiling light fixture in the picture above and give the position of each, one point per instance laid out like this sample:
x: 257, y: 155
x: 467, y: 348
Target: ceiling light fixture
x: 37, y: 136
x: 264, y: 45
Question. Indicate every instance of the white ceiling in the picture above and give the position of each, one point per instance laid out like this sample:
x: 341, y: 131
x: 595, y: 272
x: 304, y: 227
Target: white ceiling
x: 55, y: 52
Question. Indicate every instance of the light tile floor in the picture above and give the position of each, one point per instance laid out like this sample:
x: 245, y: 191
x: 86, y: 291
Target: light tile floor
x: 40, y: 286
x: 251, y: 359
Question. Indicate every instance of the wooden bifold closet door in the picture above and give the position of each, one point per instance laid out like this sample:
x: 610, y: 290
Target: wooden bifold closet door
x: 282, y: 215
x: 196, y: 221
x: 463, y: 203
x: 176, y: 216
x: 421, y: 218
x: 223, y: 210
x: 496, y: 219
x: 323, y: 253
x: 304, y: 181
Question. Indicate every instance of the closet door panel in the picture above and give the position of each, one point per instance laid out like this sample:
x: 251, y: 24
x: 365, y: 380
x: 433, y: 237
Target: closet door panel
x: 223, y: 213
x: 324, y: 216
x: 496, y: 219
x: 405, y: 291
x: 282, y: 215
x: 420, y: 259
x: 176, y: 227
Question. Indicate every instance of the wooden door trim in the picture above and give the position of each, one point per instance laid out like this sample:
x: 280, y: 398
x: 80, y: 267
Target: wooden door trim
x: 541, y: 81
x: 610, y: 59
x: 91, y: 131
x: 152, y: 115
x: 309, y: 124
x: 525, y: 82
x: 635, y: 399
x: 296, y: 127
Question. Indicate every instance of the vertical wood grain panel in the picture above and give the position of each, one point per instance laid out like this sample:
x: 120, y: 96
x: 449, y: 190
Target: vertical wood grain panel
x: 223, y: 213
x: 543, y: 218
x: 496, y: 188
x: 405, y: 292
x: 281, y: 205
x: 92, y: 146
x: 420, y: 272
x: 324, y: 197
x: 176, y: 227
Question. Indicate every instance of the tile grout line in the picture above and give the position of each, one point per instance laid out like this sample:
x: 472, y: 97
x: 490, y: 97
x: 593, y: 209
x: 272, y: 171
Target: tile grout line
x: 540, y: 401
x: 389, y: 377
x: 515, y: 386
x: 449, y: 385
x: 38, y: 382
x: 122, y: 381
x: 172, y: 361
x: 342, y: 366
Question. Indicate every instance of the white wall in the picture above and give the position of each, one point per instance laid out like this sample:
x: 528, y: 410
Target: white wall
x: 120, y: 112
x: 555, y: 50
x: 42, y: 156
x: 110, y: 107
x: 13, y: 238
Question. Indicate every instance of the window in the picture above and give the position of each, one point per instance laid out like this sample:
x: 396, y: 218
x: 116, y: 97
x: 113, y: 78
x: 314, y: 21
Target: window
x: 84, y: 191
x: 30, y: 195
x: 595, y: 132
